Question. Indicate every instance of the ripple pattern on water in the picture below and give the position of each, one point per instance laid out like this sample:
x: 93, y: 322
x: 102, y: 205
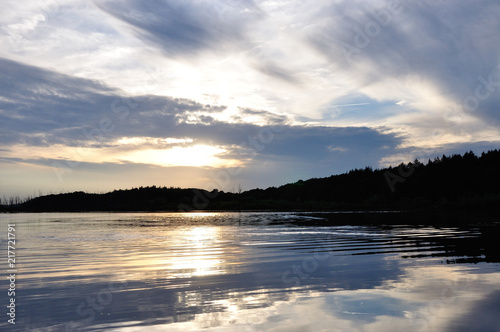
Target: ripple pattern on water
x: 171, y: 271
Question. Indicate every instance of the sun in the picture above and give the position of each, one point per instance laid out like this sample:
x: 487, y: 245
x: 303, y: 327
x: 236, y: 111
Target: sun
x: 196, y: 155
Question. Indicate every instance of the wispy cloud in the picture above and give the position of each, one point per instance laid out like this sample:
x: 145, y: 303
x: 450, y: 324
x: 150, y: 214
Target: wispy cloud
x: 187, y: 27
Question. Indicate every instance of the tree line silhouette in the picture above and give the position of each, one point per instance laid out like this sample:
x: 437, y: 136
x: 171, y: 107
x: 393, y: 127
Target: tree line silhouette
x: 450, y: 182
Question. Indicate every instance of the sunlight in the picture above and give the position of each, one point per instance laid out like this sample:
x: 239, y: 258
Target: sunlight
x: 202, y: 236
x: 199, y: 214
x: 197, y: 155
x: 152, y: 141
x: 200, y: 255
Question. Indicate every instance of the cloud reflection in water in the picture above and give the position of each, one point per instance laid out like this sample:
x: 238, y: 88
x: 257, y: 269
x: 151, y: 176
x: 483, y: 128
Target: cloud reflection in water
x: 189, y: 272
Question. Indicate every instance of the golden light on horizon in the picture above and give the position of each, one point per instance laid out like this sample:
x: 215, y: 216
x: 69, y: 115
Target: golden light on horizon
x: 196, y: 155
x: 199, y: 214
x: 152, y: 141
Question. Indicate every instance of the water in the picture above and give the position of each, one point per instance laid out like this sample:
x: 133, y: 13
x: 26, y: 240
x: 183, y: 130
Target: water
x: 247, y: 272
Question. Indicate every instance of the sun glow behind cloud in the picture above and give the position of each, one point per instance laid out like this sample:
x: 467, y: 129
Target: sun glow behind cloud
x: 170, y: 152
x: 147, y: 140
x: 196, y: 155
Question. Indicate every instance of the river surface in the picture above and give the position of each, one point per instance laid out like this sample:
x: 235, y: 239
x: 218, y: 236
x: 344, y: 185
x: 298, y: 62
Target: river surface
x: 247, y: 272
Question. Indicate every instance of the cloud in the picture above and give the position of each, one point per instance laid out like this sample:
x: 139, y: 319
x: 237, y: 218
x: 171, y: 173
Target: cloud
x: 426, y: 53
x: 41, y: 107
x: 37, y: 103
x: 378, y: 79
x: 71, y: 121
x: 425, y: 298
x: 185, y: 28
x: 26, y: 175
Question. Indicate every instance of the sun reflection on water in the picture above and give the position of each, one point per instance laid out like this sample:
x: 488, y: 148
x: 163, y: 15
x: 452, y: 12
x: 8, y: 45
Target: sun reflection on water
x: 192, y: 275
x: 198, y: 253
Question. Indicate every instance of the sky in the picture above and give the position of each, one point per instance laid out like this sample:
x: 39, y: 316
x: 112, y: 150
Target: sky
x: 103, y: 95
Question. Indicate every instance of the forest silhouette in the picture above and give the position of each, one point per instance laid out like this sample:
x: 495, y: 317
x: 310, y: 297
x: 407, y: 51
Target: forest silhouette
x: 457, y: 182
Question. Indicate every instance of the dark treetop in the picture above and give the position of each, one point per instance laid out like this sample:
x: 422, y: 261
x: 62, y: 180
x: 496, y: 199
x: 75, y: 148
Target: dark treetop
x: 450, y: 182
